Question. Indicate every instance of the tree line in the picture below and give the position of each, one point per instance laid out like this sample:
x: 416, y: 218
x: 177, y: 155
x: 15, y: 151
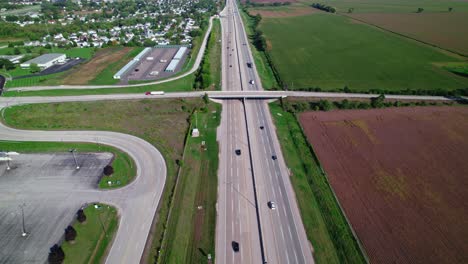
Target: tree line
x: 324, y: 7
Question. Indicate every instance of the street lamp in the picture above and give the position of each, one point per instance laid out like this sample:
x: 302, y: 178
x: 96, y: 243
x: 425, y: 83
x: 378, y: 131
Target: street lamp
x: 72, y: 151
x: 24, y: 233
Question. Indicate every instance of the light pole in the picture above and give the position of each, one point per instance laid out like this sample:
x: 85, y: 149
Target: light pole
x: 72, y: 151
x: 22, y: 215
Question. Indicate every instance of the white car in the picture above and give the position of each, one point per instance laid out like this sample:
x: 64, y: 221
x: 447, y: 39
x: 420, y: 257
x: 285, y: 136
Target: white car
x: 272, y: 205
x: 252, y: 82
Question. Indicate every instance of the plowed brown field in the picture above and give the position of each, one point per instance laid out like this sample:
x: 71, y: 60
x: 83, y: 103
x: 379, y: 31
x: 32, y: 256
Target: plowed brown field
x: 401, y: 176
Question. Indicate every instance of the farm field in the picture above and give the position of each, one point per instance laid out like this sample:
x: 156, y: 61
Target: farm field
x: 395, y: 6
x: 400, y: 175
x: 445, y: 28
x: 89, y: 70
x: 332, y: 52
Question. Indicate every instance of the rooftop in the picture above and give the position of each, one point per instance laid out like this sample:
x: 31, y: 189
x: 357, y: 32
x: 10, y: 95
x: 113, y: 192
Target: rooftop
x: 45, y: 58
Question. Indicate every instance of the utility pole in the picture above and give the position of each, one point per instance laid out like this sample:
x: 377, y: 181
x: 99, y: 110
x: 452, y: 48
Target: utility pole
x: 22, y: 215
x: 74, y: 158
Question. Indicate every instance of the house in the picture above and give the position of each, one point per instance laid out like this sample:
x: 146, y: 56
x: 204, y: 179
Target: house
x: 45, y: 61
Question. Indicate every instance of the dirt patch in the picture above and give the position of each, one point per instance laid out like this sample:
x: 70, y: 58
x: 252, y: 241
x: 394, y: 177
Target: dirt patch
x: 89, y: 70
x: 401, y: 176
x: 441, y: 29
x: 289, y: 12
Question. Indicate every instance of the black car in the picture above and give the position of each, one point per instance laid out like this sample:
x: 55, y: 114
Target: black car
x: 274, y: 157
x: 238, y: 152
x: 249, y: 64
x: 262, y: 127
x: 235, y: 246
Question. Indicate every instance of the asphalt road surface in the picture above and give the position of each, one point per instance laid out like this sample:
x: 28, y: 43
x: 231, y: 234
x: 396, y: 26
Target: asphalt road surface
x: 137, y: 202
x: 278, y: 234
x: 52, y: 191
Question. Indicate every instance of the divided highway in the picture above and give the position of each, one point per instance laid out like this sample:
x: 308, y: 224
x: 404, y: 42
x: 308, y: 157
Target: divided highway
x: 250, y: 181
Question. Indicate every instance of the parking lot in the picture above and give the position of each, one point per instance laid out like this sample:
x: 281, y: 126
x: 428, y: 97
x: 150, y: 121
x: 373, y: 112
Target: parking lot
x: 153, y: 64
x: 51, y: 190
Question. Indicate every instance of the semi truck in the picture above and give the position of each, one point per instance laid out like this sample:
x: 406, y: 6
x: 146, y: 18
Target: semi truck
x: 155, y: 93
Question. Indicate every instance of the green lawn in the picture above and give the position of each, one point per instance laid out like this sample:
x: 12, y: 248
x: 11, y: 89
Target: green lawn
x: 124, y: 166
x: 391, y: 6
x: 191, y: 231
x: 93, y: 235
x: 330, y: 52
x: 325, y: 225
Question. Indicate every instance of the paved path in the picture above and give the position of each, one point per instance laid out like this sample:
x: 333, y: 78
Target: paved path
x: 137, y: 202
x: 195, y: 66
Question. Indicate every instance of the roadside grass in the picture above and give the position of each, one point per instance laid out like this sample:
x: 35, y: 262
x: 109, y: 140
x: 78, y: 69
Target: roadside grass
x: 106, y: 76
x: 214, y: 54
x: 325, y: 224
x: 261, y: 63
x: 44, y: 80
x: 191, y: 227
x: 330, y: 52
x: 124, y: 166
x: 93, y: 236
x: 183, y: 84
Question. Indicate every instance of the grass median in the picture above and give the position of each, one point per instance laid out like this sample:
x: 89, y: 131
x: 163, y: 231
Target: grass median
x: 93, y: 235
x: 124, y: 166
x: 191, y: 227
x: 325, y: 224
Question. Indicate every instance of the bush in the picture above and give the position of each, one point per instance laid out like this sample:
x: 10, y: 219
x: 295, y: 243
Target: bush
x: 70, y: 233
x: 56, y: 255
x: 80, y: 216
x: 108, y: 170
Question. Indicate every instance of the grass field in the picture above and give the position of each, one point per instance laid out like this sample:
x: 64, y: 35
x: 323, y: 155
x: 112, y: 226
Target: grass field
x: 124, y: 166
x: 395, y: 6
x: 331, y: 52
x: 99, y: 67
x: 191, y: 228
x: 214, y: 54
x: 93, y: 235
x: 326, y: 228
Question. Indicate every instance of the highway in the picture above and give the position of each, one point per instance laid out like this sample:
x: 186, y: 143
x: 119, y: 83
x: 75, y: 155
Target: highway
x: 263, y: 234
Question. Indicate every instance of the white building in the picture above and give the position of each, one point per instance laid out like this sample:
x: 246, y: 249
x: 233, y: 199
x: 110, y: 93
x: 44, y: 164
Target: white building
x: 46, y: 60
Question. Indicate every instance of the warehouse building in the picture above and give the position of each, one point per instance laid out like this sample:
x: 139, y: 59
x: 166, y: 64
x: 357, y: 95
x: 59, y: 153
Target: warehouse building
x: 131, y: 63
x: 12, y: 58
x: 45, y: 61
x: 176, y: 59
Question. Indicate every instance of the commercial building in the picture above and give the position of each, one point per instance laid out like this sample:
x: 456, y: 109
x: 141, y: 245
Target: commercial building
x: 46, y: 60
x: 12, y: 58
x: 176, y: 59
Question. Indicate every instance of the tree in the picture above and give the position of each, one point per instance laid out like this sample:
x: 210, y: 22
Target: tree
x: 108, y: 170
x: 70, y: 233
x: 205, y: 98
x: 17, y: 51
x: 350, y: 10
x: 450, y: 9
x: 34, y: 68
x: 377, y: 102
x: 420, y: 9
x: 6, y: 64
x: 325, y: 105
x: 56, y: 255
x: 80, y: 216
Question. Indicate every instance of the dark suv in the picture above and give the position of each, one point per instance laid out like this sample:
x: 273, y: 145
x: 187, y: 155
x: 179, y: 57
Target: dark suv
x: 238, y: 152
x: 235, y: 246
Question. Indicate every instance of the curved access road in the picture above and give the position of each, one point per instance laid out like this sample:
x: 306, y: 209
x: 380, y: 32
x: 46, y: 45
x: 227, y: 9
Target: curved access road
x: 195, y: 66
x: 137, y: 202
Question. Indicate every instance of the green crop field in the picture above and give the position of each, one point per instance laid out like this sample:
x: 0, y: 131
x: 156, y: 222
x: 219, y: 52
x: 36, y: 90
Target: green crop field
x: 391, y: 6
x: 330, y: 52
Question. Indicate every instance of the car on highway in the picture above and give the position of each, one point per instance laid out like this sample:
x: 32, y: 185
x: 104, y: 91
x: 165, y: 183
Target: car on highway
x: 274, y: 157
x: 238, y: 152
x: 262, y: 127
x: 272, y: 205
x: 252, y: 82
x: 235, y: 246
x: 249, y: 64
